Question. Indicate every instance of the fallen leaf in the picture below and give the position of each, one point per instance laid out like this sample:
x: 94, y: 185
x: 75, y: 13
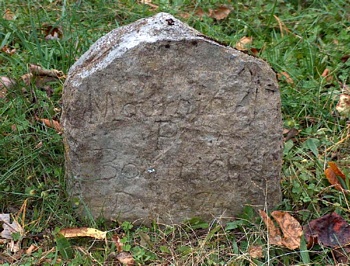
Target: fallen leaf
x: 345, y: 58
x: 254, y: 51
x: 341, y: 255
x: 27, y: 78
x: 41, y: 78
x: 243, y: 43
x: 5, y: 49
x: 199, y: 12
x: 256, y: 252
x: 220, y: 13
x: 326, y: 74
x: 284, y: 75
x: 343, y: 105
x: 330, y: 230
x: 274, y: 234
x: 83, y: 232
x: 8, y: 230
x: 8, y: 15
x: 336, y: 169
x: 333, y: 179
x: 52, y: 32
x: 39, y: 71
x: 126, y: 258
x: 31, y: 249
x: 118, y: 243
x: 290, y: 133
x: 184, y: 15
x: 51, y: 123
x: 291, y: 229
x: 6, y: 82
x: 145, y: 240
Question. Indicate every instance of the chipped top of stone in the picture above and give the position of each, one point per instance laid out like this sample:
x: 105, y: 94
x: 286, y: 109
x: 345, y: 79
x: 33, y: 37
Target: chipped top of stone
x: 161, y: 27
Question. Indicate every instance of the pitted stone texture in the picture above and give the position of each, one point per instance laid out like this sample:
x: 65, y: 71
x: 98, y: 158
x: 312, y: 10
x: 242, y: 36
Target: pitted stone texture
x: 163, y: 123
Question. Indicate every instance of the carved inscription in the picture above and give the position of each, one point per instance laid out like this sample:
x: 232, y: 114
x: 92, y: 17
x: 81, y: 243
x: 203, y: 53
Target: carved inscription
x: 170, y: 127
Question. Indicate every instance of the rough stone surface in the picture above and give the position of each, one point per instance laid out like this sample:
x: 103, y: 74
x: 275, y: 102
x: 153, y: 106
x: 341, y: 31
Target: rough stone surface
x: 163, y: 123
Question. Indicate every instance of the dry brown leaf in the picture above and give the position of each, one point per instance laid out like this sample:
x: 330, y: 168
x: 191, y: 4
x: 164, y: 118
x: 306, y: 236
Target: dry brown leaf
x: 326, y: 74
x: 220, y: 13
x: 37, y: 70
x: 52, y: 32
x: 336, y: 170
x: 6, y: 82
x: 184, y: 15
x: 51, y: 123
x: 255, y: 51
x: 27, y: 78
x: 345, y: 58
x: 199, y: 12
x: 291, y: 229
x: 126, y: 258
x: 83, y: 232
x: 9, y: 229
x: 118, y: 243
x: 343, y: 105
x: 286, y: 76
x: 243, y: 43
x: 274, y: 234
x: 330, y: 230
x: 332, y: 179
x: 41, y: 78
x: 8, y: 15
x: 290, y: 133
x: 5, y: 49
x: 31, y: 249
x: 256, y: 252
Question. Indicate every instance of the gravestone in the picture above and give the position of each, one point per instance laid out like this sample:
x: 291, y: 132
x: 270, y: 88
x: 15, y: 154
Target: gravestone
x: 163, y: 123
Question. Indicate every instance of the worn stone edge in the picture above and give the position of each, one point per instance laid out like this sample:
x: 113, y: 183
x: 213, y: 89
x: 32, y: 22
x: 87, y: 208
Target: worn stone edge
x: 160, y: 27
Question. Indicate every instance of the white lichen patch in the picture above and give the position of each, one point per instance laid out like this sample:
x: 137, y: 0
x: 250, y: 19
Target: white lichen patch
x: 161, y: 27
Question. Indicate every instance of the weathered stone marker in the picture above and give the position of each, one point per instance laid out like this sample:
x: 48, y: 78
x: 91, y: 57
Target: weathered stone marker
x: 161, y: 122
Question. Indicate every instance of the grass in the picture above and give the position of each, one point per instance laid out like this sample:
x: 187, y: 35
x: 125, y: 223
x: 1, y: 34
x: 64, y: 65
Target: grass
x: 298, y: 37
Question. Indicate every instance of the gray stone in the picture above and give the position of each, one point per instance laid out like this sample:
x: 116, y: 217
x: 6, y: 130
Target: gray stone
x: 162, y: 123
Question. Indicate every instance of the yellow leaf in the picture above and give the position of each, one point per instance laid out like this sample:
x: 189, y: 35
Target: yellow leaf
x: 83, y: 232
